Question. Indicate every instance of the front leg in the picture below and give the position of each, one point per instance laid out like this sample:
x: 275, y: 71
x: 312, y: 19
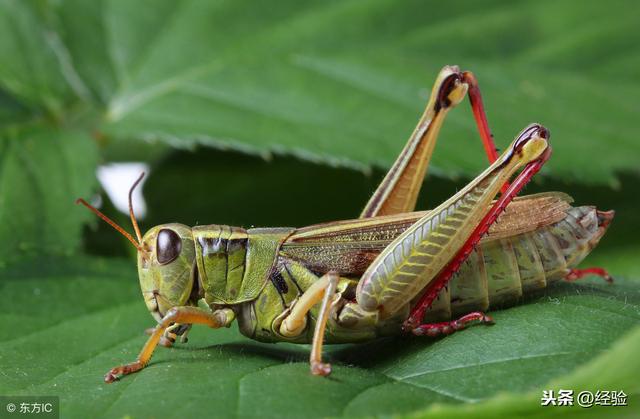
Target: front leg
x: 171, y: 334
x: 191, y: 315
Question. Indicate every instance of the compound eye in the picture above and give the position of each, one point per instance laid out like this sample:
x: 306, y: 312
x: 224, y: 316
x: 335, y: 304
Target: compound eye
x: 168, y: 246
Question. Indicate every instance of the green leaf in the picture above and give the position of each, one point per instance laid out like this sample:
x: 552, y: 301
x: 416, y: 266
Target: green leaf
x: 338, y: 82
x: 42, y: 171
x: 80, y: 317
x: 616, y: 368
x: 35, y: 63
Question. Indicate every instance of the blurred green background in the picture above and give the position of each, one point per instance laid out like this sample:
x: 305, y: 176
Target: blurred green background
x: 288, y: 113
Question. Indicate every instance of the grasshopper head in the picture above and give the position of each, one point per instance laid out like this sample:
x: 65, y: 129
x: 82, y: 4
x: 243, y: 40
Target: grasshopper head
x: 166, y: 261
x: 166, y: 267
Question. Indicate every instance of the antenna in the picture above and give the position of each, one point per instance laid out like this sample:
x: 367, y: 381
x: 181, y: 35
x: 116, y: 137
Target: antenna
x: 131, y: 214
x: 137, y: 244
x: 110, y: 222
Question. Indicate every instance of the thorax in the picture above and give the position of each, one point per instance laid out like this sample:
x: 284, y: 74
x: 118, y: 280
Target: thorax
x: 233, y: 264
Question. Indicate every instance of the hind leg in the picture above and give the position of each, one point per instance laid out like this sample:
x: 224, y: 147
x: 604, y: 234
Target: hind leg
x: 447, y: 328
x: 462, y: 253
x: 398, y: 191
x: 441, y: 240
x: 576, y: 274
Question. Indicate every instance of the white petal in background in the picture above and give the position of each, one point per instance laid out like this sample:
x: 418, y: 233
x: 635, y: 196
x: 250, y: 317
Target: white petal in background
x: 117, y: 178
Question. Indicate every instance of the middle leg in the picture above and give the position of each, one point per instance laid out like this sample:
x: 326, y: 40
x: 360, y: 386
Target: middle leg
x: 294, y: 324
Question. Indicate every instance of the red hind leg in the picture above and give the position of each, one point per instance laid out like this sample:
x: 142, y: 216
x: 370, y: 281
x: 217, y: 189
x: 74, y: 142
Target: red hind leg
x: 447, y: 328
x: 576, y: 274
x: 477, y: 106
x: 417, y: 312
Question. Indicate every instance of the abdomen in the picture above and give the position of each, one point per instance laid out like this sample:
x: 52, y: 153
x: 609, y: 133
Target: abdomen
x: 499, y: 272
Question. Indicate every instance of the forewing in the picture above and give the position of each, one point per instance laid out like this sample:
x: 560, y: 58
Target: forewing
x: 350, y: 246
x: 347, y: 247
x: 530, y: 212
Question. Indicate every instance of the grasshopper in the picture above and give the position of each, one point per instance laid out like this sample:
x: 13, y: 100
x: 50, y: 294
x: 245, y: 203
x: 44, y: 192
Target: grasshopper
x: 391, y: 271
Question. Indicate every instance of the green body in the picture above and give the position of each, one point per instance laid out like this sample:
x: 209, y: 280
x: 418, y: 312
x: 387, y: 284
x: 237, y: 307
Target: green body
x: 260, y: 273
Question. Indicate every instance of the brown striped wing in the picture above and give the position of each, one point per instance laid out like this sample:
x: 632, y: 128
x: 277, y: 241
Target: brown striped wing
x: 350, y: 246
